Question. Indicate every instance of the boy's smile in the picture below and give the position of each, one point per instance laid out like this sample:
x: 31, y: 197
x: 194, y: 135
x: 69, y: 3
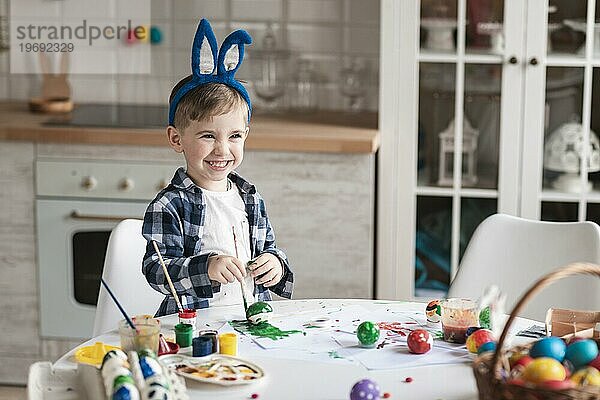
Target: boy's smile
x: 212, y: 148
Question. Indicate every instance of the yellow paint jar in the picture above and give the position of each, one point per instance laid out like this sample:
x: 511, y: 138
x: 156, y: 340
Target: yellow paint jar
x: 228, y: 343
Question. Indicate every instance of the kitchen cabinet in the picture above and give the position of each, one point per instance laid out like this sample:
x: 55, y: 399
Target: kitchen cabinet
x: 486, y: 106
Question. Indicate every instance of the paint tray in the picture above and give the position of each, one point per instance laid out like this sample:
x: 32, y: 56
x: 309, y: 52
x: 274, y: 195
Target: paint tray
x: 218, y: 369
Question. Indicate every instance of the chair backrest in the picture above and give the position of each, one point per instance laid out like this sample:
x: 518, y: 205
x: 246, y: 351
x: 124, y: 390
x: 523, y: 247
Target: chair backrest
x: 123, y: 274
x: 514, y: 252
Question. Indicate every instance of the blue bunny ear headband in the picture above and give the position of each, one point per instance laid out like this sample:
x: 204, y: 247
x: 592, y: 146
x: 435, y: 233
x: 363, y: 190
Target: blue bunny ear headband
x: 205, y: 61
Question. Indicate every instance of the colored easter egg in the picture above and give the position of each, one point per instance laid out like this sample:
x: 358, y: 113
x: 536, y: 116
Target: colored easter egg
x: 478, y: 338
x: 433, y: 311
x: 149, y: 367
x: 514, y: 357
x: 259, y: 312
x: 581, y: 352
x: 127, y: 391
x: 484, y: 318
x: 596, y: 363
x: 118, y: 354
x: 558, y: 385
x: 155, y: 391
x: 544, y: 369
x: 365, y: 389
x: 367, y: 333
x: 588, y: 376
x: 121, y: 380
x: 553, y: 347
x: 522, y: 362
x: 489, y: 346
x: 419, y: 341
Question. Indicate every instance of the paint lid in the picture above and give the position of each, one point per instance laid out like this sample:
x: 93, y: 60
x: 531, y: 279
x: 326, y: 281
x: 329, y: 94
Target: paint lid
x: 93, y: 354
x: 183, y: 328
x: 166, y: 347
x: 188, y: 313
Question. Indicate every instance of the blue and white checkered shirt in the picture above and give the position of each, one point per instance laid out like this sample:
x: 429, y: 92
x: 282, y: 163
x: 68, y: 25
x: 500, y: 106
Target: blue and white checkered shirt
x: 175, y: 220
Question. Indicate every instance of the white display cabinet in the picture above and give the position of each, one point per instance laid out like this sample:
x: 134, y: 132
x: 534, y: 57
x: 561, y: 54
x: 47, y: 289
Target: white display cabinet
x: 486, y: 106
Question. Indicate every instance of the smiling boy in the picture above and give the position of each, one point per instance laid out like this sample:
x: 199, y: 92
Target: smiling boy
x: 209, y: 222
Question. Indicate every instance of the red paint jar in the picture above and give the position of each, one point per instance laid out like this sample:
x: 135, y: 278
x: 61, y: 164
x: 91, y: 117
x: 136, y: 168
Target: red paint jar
x: 188, y: 316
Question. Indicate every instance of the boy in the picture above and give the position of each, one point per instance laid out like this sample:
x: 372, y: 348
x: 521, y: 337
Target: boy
x: 209, y: 221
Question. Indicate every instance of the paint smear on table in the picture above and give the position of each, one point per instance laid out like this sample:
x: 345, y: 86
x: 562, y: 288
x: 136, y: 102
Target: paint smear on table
x: 263, y: 329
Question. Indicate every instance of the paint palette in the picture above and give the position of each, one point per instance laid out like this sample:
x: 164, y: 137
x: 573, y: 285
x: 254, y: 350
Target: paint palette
x: 215, y: 368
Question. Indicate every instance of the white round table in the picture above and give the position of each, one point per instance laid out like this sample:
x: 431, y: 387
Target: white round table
x: 313, y: 372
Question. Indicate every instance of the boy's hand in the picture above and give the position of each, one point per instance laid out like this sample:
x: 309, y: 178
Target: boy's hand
x: 225, y: 269
x: 268, y: 268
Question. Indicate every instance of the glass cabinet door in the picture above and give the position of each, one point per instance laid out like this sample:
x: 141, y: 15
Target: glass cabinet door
x: 565, y: 186
x: 464, y: 53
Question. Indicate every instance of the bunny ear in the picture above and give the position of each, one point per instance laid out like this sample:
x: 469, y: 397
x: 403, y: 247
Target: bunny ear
x: 231, y: 52
x: 204, y: 50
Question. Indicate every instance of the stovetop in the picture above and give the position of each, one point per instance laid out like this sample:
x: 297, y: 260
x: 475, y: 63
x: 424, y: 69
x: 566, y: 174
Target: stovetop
x: 114, y: 116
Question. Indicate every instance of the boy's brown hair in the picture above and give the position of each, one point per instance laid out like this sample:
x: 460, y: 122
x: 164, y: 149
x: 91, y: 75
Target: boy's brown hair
x: 204, y: 101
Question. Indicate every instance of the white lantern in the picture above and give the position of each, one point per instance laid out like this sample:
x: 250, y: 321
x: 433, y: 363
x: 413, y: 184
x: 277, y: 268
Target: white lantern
x: 469, y: 154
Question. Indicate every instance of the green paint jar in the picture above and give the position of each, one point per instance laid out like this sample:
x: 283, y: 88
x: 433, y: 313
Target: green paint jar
x: 184, y: 334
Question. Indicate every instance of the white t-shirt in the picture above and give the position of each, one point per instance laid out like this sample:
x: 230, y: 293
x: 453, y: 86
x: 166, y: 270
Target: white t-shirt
x: 225, y: 210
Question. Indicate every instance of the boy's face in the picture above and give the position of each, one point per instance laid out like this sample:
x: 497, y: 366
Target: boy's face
x: 212, y: 148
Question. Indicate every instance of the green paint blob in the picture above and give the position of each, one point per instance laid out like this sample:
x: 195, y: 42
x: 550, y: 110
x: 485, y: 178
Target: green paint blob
x: 334, y: 354
x: 262, y: 329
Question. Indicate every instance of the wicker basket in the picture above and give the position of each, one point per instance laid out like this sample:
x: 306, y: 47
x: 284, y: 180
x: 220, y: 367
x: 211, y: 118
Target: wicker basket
x: 490, y: 368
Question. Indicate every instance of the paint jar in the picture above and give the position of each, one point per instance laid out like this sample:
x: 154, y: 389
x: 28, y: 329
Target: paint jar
x: 202, y: 346
x: 457, y: 316
x: 184, y: 334
x: 188, y: 316
x: 228, y: 343
x: 212, y: 334
x: 145, y: 336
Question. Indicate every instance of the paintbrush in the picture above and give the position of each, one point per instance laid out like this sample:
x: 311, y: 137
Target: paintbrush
x: 242, y: 281
x: 129, y: 321
x: 162, y: 262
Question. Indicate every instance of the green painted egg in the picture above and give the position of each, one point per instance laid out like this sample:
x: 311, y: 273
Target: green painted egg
x: 367, y: 333
x: 259, y: 312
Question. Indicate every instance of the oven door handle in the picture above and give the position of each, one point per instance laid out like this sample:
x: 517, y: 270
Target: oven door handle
x: 75, y: 214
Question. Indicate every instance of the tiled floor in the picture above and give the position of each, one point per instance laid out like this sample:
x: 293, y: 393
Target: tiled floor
x: 13, y: 393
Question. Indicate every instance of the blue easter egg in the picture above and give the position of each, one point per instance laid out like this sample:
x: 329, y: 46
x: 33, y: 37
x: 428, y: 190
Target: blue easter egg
x: 581, y: 352
x: 553, y: 347
x: 487, y: 346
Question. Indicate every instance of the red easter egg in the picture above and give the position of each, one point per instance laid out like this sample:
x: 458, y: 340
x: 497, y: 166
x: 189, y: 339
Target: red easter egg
x: 419, y: 341
x: 558, y: 385
x: 522, y: 362
x: 595, y: 363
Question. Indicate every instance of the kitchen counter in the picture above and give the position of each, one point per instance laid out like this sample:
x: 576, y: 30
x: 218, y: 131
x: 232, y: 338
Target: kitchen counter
x: 320, y: 132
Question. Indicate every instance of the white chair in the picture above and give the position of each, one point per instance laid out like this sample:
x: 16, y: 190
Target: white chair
x: 514, y: 252
x: 123, y: 274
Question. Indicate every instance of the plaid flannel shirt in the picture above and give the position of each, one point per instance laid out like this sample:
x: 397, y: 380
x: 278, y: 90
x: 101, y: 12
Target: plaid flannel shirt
x: 175, y: 220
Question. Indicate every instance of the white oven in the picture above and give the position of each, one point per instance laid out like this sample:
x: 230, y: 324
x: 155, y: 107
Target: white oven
x: 77, y: 205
